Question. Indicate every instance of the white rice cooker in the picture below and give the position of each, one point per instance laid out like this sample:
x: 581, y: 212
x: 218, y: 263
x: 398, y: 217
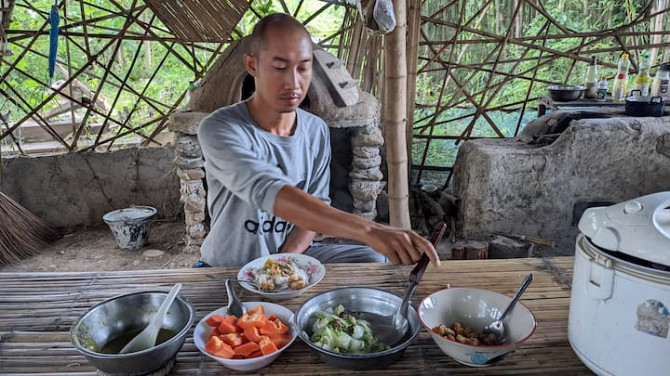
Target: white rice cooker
x: 620, y: 300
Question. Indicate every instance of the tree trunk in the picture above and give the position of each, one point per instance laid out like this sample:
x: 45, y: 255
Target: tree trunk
x: 148, y: 49
x: 657, y: 25
x: 395, y: 117
x: 518, y: 27
x: 499, y: 11
x: 148, y: 55
x: 120, y: 57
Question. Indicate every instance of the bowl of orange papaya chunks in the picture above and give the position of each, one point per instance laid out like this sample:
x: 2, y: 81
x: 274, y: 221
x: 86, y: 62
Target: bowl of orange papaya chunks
x: 249, y: 342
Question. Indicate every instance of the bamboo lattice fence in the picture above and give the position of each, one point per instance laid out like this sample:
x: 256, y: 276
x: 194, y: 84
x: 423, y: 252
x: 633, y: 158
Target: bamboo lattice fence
x: 475, y: 67
x: 118, y: 93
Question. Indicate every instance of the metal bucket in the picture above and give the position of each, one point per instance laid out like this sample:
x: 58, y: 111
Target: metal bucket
x: 130, y: 226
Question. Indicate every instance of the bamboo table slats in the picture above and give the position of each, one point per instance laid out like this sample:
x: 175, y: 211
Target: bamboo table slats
x: 37, y: 310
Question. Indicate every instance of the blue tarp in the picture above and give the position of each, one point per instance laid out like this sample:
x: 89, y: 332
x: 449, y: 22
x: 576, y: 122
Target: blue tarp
x: 54, y: 20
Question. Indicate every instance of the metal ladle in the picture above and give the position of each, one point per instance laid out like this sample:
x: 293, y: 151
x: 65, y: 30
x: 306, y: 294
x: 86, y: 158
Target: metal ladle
x: 497, y: 328
x: 235, y: 306
x: 392, y: 328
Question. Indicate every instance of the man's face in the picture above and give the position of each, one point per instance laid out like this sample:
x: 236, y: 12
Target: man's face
x: 282, y: 70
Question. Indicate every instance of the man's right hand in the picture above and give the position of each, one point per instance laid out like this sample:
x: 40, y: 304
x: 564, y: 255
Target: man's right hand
x: 309, y: 213
x: 399, y: 245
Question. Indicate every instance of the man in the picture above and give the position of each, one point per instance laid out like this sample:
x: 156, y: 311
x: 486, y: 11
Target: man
x: 267, y: 168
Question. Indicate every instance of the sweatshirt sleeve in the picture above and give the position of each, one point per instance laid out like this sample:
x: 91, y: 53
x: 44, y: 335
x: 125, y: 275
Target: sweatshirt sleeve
x: 320, y: 186
x: 231, y: 160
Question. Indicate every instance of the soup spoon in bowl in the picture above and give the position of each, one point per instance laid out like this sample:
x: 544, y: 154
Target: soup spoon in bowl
x: 147, y: 337
x: 497, y: 328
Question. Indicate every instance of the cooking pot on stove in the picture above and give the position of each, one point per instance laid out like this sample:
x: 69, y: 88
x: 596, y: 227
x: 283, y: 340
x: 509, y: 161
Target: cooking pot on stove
x: 639, y: 105
x: 620, y: 300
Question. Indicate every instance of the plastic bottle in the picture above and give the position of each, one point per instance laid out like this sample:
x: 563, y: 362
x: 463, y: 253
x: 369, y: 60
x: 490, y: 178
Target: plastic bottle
x: 642, y: 81
x: 190, y: 88
x: 620, y: 89
x: 591, y: 81
x: 601, y: 93
x: 661, y: 87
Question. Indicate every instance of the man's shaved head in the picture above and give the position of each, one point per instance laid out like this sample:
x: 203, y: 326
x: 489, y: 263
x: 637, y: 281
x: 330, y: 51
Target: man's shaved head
x: 280, y: 60
x: 281, y: 21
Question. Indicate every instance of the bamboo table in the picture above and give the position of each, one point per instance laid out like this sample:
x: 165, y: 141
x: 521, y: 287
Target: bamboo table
x: 37, y: 310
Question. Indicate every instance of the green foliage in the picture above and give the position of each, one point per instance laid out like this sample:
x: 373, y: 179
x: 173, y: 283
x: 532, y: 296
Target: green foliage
x: 514, y: 68
x: 162, y: 76
x: 159, y: 75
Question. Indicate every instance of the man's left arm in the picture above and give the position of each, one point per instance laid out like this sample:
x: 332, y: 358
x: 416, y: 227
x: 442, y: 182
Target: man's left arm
x: 298, y: 240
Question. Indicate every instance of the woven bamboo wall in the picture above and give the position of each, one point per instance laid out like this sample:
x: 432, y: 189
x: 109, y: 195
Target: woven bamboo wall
x: 475, y: 67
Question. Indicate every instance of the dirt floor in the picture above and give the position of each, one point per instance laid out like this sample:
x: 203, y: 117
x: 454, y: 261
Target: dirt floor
x: 96, y: 249
x: 91, y: 249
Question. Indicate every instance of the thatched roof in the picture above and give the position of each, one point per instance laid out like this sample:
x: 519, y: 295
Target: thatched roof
x: 200, y: 20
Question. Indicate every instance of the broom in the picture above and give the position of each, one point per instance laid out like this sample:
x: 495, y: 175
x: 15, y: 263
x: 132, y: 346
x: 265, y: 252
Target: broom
x: 22, y: 233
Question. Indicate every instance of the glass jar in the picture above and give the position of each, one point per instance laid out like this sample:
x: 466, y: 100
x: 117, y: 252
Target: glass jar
x: 661, y: 85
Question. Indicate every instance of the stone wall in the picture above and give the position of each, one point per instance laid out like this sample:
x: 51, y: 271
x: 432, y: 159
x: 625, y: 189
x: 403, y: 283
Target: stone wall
x: 78, y: 189
x: 189, y: 164
x: 518, y: 186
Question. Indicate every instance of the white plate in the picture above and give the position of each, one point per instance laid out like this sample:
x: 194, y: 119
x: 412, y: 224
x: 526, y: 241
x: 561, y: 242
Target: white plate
x: 202, y: 330
x: 315, y: 270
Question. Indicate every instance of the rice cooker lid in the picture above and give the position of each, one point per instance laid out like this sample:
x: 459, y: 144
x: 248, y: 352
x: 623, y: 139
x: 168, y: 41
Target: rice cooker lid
x: 639, y: 227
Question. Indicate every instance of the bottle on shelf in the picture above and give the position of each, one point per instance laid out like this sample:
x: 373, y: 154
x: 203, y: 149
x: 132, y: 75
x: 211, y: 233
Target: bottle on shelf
x: 591, y: 80
x: 601, y: 93
x: 661, y: 86
x: 620, y: 89
x: 191, y: 87
x: 643, y: 80
x: 189, y: 94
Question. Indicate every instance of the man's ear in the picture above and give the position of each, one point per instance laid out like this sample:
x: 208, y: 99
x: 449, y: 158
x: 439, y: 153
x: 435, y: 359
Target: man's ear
x: 250, y: 64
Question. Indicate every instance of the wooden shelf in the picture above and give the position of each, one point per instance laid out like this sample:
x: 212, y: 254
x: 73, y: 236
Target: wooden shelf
x: 546, y: 103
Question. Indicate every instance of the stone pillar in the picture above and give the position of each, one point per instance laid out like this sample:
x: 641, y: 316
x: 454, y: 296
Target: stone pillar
x: 362, y: 119
x: 188, y: 161
x: 365, y: 173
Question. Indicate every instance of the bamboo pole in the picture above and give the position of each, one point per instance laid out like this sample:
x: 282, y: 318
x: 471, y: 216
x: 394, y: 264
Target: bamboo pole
x: 124, y: 83
x: 353, y: 53
x: 413, y: 27
x: 395, y: 117
x: 150, y: 101
x: 445, y: 82
x: 85, y: 30
x: 163, y: 124
x: 35, y: 115
x: 108, y: 68
x: 530, y: 85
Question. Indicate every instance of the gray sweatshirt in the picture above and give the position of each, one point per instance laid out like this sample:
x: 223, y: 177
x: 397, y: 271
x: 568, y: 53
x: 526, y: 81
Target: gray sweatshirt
x: 245, y: 167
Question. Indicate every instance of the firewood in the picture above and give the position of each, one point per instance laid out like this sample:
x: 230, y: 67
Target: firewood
x: 448, y: 202
x: 430, y: 205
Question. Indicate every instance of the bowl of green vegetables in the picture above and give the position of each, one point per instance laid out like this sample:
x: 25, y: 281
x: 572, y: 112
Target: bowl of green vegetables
x: 330, y: 324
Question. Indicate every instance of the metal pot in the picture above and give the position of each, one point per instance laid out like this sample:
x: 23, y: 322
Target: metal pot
x: 357, y: 299
x: 122, y: 314
x: 638, y: 105
x: 565, y: 93
x: 620, y: 300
